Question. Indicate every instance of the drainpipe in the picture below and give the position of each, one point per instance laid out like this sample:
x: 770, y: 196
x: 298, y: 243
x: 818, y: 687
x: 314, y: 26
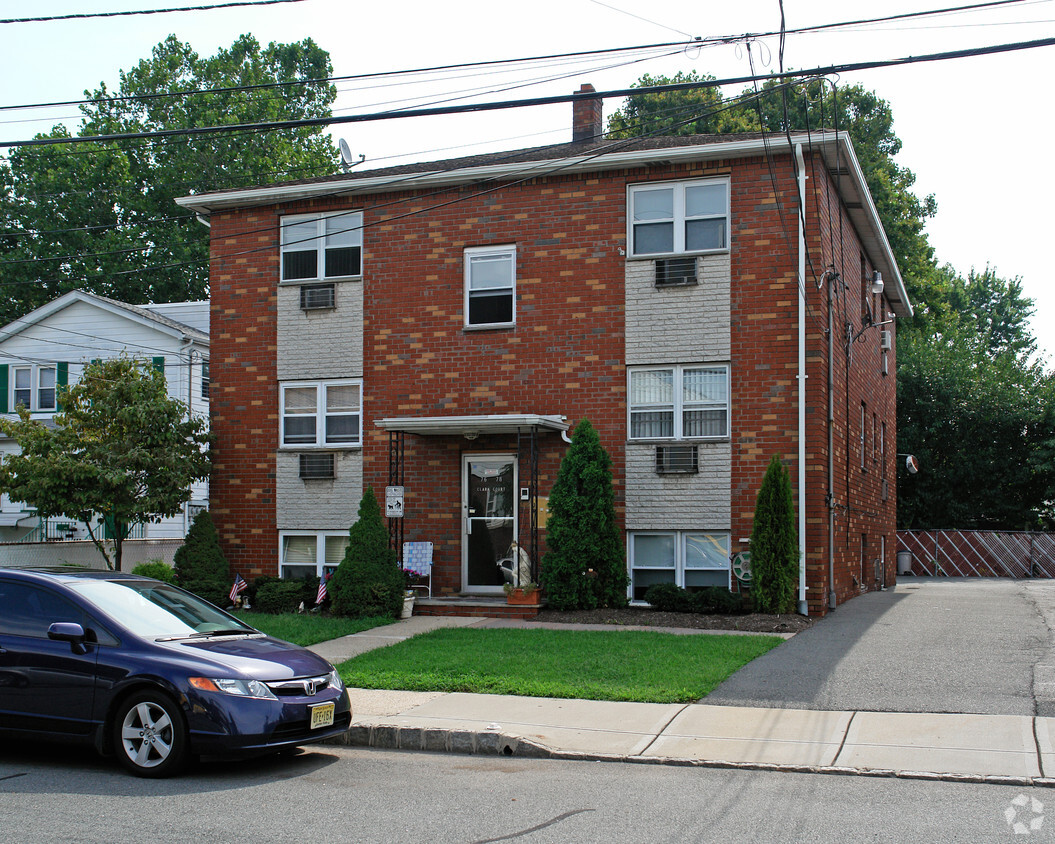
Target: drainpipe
x: 185, y: 346
x: 831, y: 448
x: 803, y: 606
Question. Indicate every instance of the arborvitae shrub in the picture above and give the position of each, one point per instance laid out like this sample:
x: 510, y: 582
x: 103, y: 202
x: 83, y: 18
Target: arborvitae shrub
x: 200, y: 565
x: 368, y: 582
x: 585, y: 566
x: 774, y: 543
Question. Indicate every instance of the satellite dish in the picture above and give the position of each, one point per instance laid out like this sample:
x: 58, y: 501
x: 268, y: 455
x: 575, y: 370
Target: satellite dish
x: 347, y: 160
x: 912, y: 464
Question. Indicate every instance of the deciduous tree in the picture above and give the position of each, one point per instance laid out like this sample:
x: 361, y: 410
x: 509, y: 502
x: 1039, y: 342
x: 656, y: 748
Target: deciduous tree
x: 101, y: 217
x: 121, y: 453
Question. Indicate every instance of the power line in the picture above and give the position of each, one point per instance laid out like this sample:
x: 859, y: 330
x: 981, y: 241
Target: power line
x: 82, y: 15
x: 695, y: 42
x: 972, y: 52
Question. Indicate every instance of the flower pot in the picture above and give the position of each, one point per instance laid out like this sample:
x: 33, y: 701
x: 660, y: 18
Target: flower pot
x: 522, y: 597
x: 408, y: 607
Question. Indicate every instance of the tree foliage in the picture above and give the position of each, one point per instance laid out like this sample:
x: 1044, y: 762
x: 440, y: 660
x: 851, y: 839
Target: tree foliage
x: 978, y: 410
x: 199, y: 564
x: 774, y: 543
x: 368, y: 582
x: 585, y: 565
x: 103, y: 213
x: 120, y: 449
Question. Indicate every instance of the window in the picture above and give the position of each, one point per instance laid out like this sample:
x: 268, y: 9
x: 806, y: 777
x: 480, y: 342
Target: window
x: 322, y: 414
x: 686, y: 558
x: 307, y: 554
x: 670, y: 218
x: 490, y: 286
x: 205, y: 379
x: 319, y: 246
x: 677, y: 459
x: 35, y: 387
x: 679, y: 402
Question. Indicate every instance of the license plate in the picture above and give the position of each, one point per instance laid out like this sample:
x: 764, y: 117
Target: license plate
x: 322, y: 715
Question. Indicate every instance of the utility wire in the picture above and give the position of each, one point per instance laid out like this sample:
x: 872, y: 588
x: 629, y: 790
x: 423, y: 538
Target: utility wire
x: 83, y: 15
x: 540, y: 101
x: 696, y: 42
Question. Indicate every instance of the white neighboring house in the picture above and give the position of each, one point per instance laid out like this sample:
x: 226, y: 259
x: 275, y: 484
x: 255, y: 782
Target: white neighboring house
x: 49, y: 348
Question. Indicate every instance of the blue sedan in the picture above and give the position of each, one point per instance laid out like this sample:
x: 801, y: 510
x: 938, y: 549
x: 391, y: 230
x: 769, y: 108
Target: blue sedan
x: 153, y: 674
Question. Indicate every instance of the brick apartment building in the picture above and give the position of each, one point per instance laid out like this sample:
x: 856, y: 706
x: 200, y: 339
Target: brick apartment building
x: 444, y: 326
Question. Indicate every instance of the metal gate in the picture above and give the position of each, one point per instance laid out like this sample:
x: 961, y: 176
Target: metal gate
x: 979, y: 553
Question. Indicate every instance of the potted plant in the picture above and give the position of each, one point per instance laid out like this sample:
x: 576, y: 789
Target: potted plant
x: 525, y: 594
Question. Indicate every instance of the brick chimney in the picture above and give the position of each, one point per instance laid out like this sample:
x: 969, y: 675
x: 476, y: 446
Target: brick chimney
x: 586, y: 115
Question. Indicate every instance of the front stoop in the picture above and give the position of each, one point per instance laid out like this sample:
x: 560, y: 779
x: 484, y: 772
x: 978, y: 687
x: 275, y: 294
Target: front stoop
x: 473, y: 607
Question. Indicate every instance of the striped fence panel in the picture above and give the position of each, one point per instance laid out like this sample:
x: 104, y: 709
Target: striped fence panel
x: 979, y: 553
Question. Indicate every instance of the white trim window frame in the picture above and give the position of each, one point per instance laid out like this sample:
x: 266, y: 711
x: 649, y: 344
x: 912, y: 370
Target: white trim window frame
x: 678, y: 218
x: 689, y: 557
x: 321, y: 414
x: 35, y: 387
x: 490, y: 295
x: 678, y: 402
x: 320, y: 247
x: 321, y: 551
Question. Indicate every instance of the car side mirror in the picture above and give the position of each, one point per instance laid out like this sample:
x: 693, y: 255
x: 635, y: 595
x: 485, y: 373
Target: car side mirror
x: 66, y: 631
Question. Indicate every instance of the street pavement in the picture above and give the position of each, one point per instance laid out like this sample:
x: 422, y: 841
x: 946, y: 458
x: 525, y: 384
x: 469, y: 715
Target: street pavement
x: 934, y: 679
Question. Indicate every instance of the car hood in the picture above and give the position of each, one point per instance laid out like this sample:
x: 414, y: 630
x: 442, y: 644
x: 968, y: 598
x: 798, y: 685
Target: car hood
x: 260, y: 658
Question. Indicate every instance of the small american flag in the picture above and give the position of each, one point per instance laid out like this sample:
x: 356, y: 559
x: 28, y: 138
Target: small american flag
x: 238, y: 587
x: 322, y: 590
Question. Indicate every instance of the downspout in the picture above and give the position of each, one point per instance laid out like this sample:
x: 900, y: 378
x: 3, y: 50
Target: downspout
x: 803, y: 606
x: 831, y: 447
x: 185, y: 346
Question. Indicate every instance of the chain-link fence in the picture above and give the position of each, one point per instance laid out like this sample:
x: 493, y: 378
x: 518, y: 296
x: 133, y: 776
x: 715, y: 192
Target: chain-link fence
x: 978, y: 553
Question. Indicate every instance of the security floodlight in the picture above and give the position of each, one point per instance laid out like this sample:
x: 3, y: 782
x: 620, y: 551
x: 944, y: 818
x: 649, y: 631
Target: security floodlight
x: 877, y: 282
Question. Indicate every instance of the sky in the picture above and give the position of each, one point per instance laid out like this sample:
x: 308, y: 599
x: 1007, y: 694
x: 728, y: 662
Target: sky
x: 974, y: 131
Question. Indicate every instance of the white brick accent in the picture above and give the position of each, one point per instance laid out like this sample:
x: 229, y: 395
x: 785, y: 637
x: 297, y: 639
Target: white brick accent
x: 322, y: 343
x: 678, y: 502
x: 678, y: 324
x: 322, y: 504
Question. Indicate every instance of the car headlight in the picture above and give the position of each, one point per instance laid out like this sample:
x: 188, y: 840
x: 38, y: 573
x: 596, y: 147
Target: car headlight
x: 243, y: 688
x: 335, y: 681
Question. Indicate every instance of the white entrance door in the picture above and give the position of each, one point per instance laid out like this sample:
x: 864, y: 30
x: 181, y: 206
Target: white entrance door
x: 489, y: 484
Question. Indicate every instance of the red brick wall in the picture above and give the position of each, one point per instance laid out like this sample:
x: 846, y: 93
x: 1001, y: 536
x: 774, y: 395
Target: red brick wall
x: 244, y: 391
x: 564, y: 356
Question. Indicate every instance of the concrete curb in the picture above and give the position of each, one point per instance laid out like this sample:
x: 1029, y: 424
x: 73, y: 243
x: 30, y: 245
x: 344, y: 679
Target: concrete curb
x: 439, y: 740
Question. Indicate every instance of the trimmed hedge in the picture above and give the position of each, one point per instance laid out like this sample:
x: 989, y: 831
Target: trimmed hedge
x: 157, y: 570
x: 710, y: 600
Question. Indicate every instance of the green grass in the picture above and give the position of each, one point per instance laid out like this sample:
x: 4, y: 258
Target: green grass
x: 601, y: 665
x: 307, y: 629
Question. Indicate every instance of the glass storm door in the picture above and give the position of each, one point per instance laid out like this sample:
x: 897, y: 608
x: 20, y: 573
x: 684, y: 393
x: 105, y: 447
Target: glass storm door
x: 489, y: 510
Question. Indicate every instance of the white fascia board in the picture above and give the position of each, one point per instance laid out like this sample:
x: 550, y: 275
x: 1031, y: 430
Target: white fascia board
x: 438, y: 178
x: 460, y: 425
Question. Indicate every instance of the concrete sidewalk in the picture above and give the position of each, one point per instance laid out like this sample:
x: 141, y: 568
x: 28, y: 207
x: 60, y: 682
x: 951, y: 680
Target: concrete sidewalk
x: 1007, y: 749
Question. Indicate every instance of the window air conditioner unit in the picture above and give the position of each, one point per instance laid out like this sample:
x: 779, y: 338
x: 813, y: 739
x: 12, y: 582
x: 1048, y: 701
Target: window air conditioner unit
x: 677, y: 460
x: 315, y: 467
x: 315, y: 297
x: 676, y: 272
x: 885, y: 340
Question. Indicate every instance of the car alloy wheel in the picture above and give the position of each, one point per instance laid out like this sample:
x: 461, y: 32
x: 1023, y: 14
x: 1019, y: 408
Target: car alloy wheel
x: 149, y: 736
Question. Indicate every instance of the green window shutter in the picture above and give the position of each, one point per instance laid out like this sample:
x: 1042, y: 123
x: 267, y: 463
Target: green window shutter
x: 159, y: 364
x: 3, y: 388
x: 62, y: 380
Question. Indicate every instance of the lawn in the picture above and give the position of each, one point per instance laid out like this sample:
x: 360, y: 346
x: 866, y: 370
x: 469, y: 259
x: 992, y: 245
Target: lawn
x: 307, y: 628
x: 595, y: 665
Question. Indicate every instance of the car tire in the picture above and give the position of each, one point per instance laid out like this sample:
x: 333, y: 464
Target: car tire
x: 149, y: 735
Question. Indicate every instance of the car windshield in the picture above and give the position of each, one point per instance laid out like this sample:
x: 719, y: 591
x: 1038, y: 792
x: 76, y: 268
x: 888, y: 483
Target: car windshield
x: 153, y: 610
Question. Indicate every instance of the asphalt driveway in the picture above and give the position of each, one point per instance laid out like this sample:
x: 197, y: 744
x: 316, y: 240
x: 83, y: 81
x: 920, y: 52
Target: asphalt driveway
x: 927, y: 645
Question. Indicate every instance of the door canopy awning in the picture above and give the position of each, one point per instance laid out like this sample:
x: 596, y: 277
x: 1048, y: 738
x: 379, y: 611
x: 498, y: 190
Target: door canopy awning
x: 472, y: 427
